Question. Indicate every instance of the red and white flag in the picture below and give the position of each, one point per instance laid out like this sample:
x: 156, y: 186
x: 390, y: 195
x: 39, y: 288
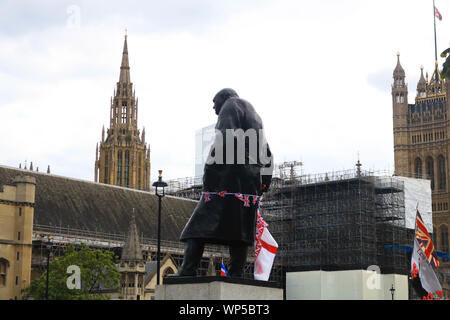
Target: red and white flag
x: 265, y: 249
x: 437, y: 13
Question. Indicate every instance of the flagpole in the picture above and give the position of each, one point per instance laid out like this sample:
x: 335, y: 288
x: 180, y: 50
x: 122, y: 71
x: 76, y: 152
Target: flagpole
x: 435, y: 45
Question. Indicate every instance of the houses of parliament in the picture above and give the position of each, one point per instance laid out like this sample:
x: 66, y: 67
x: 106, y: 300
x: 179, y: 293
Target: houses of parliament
x: 112, y: 213
x: 421, y: 142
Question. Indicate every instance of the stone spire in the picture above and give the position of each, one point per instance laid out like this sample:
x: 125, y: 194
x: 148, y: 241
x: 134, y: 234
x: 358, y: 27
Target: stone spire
x: 421, y: 85
x: 399, y: 72
x: 125, y: 66
x: 132, y: 248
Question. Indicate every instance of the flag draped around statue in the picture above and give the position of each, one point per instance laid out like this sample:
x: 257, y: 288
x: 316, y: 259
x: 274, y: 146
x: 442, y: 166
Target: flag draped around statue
x: 265, y: 250
x: 265, y: 245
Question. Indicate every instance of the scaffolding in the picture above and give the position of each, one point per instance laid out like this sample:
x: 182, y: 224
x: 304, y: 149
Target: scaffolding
x: 342, y: 220
x: 188, y: 187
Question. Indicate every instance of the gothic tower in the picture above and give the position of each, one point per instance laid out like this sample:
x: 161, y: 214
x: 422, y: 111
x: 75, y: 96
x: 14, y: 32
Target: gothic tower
x: 132, y: 265
x: 422, y: 148
x: 400, y: 108
x: 123, y: 158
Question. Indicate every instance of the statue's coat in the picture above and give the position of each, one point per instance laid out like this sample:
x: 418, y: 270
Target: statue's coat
x: 226, y: 220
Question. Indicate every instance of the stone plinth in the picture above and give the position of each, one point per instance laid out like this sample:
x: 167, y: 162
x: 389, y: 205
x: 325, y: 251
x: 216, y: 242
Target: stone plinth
x: 217, y: 288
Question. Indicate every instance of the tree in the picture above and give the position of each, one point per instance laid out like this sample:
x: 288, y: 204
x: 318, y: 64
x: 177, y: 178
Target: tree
x: 445, y: 73
x: 97, y: 269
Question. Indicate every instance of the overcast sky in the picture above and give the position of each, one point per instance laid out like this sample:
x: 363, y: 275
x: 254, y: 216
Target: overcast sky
x: 319, y: 73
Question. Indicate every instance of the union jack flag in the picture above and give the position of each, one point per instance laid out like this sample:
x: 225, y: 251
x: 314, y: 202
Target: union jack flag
x: 437, y: 14
x: 425, y: 242
x: 223, y: 270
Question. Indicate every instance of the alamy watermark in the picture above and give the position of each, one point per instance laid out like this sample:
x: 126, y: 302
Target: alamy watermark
x: 74, y: 280
x: 241, y: 147
x: 373, y: 282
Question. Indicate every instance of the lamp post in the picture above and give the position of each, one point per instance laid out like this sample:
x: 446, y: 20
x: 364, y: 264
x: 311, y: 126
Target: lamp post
x: 158, y: 186
x: 392, y: 290
x: 49, y: 249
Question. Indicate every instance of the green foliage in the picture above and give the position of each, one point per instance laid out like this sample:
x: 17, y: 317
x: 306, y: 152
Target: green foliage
x: 445, y: 73
x: 96, y: 268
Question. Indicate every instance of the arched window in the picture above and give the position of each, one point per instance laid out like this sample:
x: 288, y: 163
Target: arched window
x: 4, y: 264
x: 124, y: 112
x: 139, y: 170
x: 106, y: 168
x: 442, y: 175
x: 126, y: 173
x: 116, y: 112
x: 119, y: 168
x: 418, y: 168
x: 167, y: 271
x: 430, y: 171
x: 444, y: 239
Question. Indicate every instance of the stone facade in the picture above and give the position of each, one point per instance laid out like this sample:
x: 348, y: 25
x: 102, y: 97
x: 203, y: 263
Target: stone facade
x: 123, y: 158
x: 16, y: 229
x: 421, y: 148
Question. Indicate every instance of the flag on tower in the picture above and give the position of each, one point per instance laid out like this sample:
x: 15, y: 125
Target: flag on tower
x: 423, y: 257
x: 437, y: 14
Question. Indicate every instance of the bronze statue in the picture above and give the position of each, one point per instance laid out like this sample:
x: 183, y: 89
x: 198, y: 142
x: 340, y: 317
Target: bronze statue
x: 237, y: 172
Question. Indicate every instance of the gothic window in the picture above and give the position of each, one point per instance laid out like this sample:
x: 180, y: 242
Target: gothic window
x: 444, y: 239
x: 139, y: 170
x: 167, y: 271
x: 4, y: 264
x: 124, y: 112
x: 126, y: 174
x: 430, y: 171
x: 116, y: 114
x: 397, y: 98
x: 442, y: 175
x: 402, y: 98
x: 418, y: 168
x: 106, y: 168
x: 119, y: 168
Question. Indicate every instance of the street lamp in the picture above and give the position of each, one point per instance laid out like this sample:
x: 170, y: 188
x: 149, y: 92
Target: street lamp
x: 158, y: 186
x: 49, y: 249
x: 392, y: 290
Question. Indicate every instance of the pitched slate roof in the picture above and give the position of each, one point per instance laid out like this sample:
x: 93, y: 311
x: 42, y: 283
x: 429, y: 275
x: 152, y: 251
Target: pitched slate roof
x: 81, y: 204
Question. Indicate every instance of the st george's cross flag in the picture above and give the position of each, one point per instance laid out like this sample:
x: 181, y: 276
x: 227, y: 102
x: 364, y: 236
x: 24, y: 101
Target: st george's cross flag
x: 422, y: 259
x: 265, y: 249
x: 437, y: 14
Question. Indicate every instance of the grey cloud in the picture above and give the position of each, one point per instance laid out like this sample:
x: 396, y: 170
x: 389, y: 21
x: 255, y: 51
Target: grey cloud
x: 21, y: 17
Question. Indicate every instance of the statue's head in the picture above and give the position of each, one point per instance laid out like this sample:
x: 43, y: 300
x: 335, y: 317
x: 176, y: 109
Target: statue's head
x: 222, y: 96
